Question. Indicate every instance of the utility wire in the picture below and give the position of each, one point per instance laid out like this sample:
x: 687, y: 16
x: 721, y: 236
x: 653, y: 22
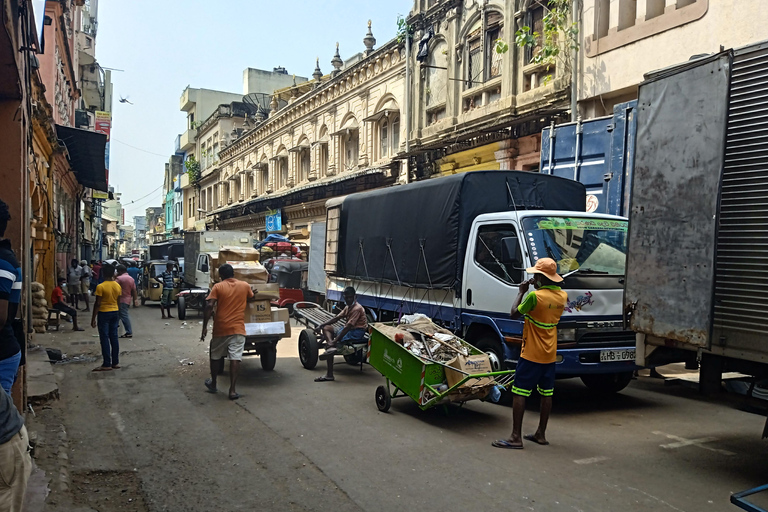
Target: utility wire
x: 137, y: 149
x: 146, y: 195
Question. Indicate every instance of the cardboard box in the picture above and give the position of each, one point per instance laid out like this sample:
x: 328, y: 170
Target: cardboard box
x: 258, y: 311
x: 252, y: 272
x: 282, y: 315
x: 234, y: 253
x: 473, y: 365
x: 267, y: 291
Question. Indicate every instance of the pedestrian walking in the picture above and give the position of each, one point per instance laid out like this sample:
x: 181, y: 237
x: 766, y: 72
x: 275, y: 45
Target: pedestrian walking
x: 57, y: 302
x: 85, y: 283
x: 10, y: 297
x: 352, y: 332
x: 15, y: 461
x: 95, y: 274
x: 108, y: 313
x: 134, y: 271
x: 166, y: 279
x: 74, y: 273
x: 229, y: 297
x: 542, y: 309
x: 128, y: 285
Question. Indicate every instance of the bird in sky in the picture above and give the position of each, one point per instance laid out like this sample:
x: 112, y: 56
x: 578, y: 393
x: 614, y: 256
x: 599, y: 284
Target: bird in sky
x: 125, y: 100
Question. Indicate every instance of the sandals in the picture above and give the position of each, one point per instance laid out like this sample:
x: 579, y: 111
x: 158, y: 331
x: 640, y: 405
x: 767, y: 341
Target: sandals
x: 505, y: 443
x: 103, y: 369
x: 127, y: 336
x: 324, y: 379
x: 532, y: 437
x: 209, y: 385
x: 235, y: 396
x: 116, y: 366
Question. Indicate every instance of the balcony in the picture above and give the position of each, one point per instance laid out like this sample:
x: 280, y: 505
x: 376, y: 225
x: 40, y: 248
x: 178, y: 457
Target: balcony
x: 184, y: 182
x: 188, y: 99
x: 187, y: 140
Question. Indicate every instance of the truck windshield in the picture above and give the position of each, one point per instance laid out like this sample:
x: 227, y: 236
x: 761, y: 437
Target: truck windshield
x: 590, y: 245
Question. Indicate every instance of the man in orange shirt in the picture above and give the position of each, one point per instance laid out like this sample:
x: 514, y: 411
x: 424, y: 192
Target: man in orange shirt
x: 536, y: 366
x: 230, y: 297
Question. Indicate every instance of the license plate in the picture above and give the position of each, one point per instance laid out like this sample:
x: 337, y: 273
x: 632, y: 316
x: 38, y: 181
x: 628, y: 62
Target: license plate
x: 626, y: 354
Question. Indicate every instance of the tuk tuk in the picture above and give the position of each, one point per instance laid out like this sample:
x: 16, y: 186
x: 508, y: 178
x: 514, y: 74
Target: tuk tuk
x: 153, y: 290
x: 291, y: 275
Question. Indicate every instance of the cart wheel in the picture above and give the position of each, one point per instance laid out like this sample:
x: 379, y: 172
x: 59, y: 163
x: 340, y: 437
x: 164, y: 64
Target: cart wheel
x: 181, y: 308
x: 354, y: 359
x: 268, y: 359
x: 308, y: 349
x: 383, y: 398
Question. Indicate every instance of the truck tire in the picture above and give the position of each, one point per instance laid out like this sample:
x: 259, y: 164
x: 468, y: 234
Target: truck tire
x: 181, y: 307
x: 607, y: 383
x: 491, y: 346
x: 308, y: 349
x: 268, y: 359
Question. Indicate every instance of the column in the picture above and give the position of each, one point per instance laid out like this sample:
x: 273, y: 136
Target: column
x: 333, y: 155
x: 640, y: 8
x: 271, y: 177
x: 314, y: 161
x: 293, y: 168
x: 613, y: 16
x: 243, y: 188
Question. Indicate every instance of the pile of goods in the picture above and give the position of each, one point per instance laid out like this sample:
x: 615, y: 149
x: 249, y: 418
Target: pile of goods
x: 39, y: 308
x: 424, y: 339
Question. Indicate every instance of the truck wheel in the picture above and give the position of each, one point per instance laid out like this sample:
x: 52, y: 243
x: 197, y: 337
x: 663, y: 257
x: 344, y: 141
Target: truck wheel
x: 308, y: 349
x: 607, y: 383
x: 268, y: 359
x: 493, y: 348
x: 383, y: 398
x: 181, y: 308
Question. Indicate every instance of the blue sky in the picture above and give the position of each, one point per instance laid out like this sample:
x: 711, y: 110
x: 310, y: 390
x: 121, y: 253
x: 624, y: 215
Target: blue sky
x: 164, y: 46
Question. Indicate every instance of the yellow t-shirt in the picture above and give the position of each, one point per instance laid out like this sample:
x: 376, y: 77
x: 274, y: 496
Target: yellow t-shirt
x: 110, y: 292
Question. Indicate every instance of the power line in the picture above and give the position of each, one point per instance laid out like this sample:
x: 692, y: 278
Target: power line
x: 146, y: 195
x: 137, y: 149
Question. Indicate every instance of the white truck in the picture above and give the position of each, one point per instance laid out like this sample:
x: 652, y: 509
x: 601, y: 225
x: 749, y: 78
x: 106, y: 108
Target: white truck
x: 200, y: 249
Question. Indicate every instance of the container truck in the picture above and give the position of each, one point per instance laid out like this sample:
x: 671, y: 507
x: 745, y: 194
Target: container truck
x: 456, y: 249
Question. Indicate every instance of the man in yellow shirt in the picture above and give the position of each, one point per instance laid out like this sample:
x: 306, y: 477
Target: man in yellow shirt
x: 107, y: 295
x: 542, y: 309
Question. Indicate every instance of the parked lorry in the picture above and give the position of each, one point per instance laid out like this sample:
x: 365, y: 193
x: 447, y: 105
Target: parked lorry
x: 696, y: 285
x: 456, y: 248
x: 597, y: 152
x: 200, y: 249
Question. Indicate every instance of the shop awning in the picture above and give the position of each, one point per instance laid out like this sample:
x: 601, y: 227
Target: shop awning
x: 86, y: 152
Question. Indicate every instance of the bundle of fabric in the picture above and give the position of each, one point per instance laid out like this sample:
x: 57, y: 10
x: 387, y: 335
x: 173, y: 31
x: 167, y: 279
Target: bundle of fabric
x: 39, y: 308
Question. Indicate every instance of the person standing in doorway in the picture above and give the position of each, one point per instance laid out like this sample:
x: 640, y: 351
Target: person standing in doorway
x: 85, y: 283
x: 74, y: 273
x: 106, y: 308
x: 57, y: 302
x: 10, y: 297
x: 15, y: 461
x: 128, y: 285
x: 166, y: 279
x: 542, y: 309
x: 229, y: 297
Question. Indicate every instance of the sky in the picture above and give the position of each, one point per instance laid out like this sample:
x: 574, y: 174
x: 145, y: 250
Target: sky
x: 161, y: 47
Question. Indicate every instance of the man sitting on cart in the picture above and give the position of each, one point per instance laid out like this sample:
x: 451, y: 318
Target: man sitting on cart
x: 353, y: 332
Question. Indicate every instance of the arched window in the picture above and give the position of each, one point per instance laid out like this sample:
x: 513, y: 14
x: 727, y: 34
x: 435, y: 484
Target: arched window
x: 304, y: 163
x: 482, y: 61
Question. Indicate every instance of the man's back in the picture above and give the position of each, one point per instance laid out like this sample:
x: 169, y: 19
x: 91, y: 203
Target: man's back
x: 127, y: 284
x: 231, y: 296
x: 542, y: 310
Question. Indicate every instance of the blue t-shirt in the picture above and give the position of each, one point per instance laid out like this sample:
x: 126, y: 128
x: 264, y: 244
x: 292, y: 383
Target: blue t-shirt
x: 10, y: 290
x: 134, y: 272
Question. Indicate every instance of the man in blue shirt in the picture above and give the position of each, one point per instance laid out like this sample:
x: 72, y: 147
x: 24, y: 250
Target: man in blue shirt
x: 10, y: 296
x: 166, y: 279
x: 134, y: 271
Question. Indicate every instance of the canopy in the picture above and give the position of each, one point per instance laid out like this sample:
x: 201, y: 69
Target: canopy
x: 87, y: 152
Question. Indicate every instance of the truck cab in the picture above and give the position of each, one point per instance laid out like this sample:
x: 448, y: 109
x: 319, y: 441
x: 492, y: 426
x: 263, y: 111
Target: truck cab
x: 590, y: 250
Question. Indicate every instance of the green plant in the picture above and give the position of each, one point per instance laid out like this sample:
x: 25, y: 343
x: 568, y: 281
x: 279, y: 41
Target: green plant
x: 557, y: 36
x: 193, y: 169
x: 403, y: 29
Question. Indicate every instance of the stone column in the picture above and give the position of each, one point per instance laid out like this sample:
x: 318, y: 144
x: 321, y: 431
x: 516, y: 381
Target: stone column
x: 334, y: 161
x: 293, y: 168
x: 271, y: 178
x: 314, y: 161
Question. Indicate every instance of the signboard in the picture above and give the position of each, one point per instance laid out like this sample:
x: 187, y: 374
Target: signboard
x: 274, y: 221
x: 103, y: 124
x: 98, y: 194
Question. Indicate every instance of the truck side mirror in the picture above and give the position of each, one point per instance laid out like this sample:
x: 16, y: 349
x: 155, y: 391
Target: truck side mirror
x: 204, y: 268
x: 510, y: 251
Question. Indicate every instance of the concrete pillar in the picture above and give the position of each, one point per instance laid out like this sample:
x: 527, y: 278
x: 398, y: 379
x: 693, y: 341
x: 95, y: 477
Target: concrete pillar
x: 334, y: 160
x: 506, y: 154
x: 293, y: 168
x: 613, y: 15
x: 271, y: 182
x: 640, y: 8
x: 670, y: 5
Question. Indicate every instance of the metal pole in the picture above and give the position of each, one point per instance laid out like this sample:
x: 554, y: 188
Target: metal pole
x: 407, y: 103
x: 576, y: 15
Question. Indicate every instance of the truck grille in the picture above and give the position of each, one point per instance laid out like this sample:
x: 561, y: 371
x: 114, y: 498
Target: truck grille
x: 741, y: 282
x: 590, y: 337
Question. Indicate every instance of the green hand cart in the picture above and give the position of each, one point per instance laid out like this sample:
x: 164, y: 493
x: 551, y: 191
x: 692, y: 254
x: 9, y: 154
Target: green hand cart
x: 422, y: 378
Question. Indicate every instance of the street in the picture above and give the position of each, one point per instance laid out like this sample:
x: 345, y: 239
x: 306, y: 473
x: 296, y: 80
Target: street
x: 148, y: 437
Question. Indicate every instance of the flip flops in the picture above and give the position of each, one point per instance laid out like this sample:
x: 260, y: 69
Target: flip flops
x: 209, y: 385
x: 127, y: 336
x: 235, y: 396
x: 324, y: 379
x: 103, y: 369
x: 532, y: 437
x: 504, y: 443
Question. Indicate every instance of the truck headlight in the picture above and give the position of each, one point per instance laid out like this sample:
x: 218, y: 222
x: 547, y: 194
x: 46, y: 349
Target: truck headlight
x: 566, y: 335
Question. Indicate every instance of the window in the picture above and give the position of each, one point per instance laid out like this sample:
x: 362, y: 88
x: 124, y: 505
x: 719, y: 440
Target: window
x: 202, y: 263
x: 395, y: 135
x: 494, y: 33
x: 437, y: 76
x: 191, y: 121
x: 350, y: 145
x: 304, y: 162
x: 265, y: 181
x: 323, y: 168
x: 215, y: 154
x: 384, y: 137
x: 389, y: 135
x: 282, y: 173
x: 474, y: 58
x: 536, y: 22
x: 490, y: 255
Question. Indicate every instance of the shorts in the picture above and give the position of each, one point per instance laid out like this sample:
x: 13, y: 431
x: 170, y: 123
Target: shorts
x: 231, y: 347
x: 353, y: 336
x: 85, y: 285
x: 529, y: 374
x: 165, y: 299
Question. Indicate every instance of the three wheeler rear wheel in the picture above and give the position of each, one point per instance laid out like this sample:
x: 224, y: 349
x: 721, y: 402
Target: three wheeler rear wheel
x: 383, y: 398
x: 308, y: 349
x: 268, y: 359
